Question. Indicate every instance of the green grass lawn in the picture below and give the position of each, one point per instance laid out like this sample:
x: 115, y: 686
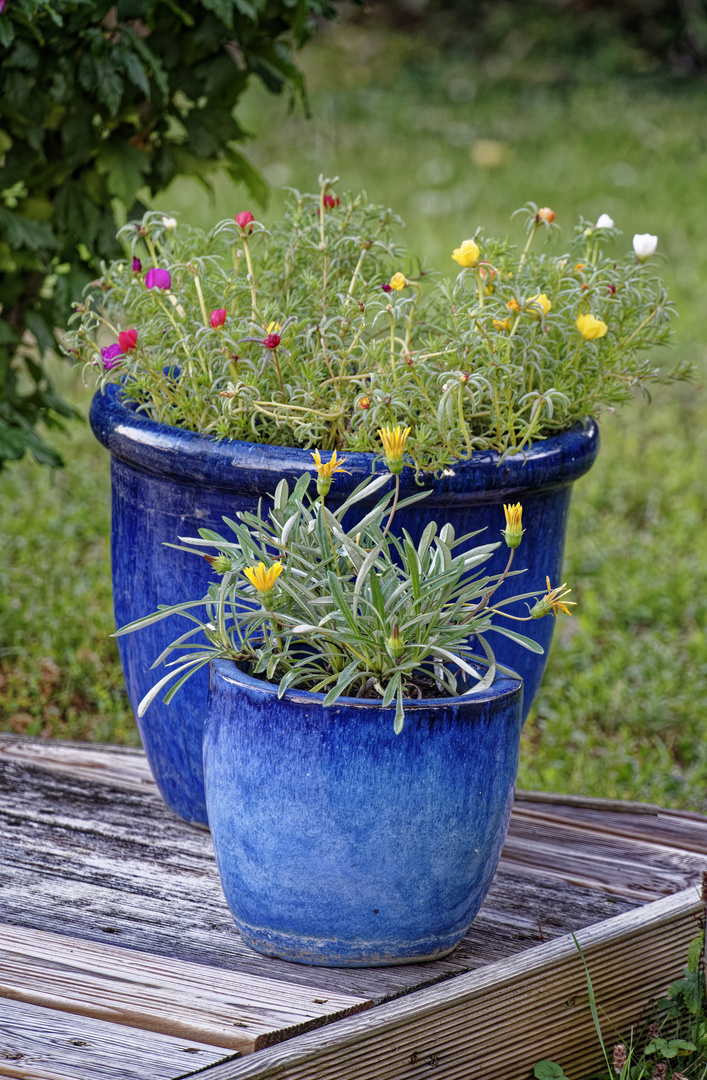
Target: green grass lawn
x: 621, y: 712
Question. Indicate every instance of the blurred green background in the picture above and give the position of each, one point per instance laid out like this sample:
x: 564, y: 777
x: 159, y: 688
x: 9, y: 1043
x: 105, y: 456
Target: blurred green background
x: 452, y: 141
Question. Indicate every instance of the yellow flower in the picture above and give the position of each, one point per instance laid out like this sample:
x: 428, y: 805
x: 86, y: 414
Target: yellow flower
x: 552, y: 602
x: 272, y: 328
x: 513, y: 305
x: 502, y: 324
x: 393, y: 440
x: 326, y: 469
x: 263, y: 579
x: 590, y: 327
x: 540, y: 305
x: 513, y: 533
x: 398, y: 281
x: 467, y: 255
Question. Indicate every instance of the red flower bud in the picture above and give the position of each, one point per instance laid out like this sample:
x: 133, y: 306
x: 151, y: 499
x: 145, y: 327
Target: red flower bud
x: 137, y: 265
x: 218, y: 317
x: 244, y: 219
x: 545, y: 214
x: 271, y: 341
x: 127, y: 339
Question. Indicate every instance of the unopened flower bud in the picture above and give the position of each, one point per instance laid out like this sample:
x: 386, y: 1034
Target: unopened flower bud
x: 604, y: 222
x: 513, y: 532
x: 364, y: 403
x: 545, y: 214
x: 396, y: 645
x: 644, y: 245
x: 398, y: 281
x: 467, y: 254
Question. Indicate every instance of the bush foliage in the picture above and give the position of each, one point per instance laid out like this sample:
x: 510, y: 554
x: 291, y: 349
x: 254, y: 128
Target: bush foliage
x: 98, y: 101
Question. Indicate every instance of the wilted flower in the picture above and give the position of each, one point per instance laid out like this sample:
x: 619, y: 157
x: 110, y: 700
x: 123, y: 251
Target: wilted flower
x: 619, y: 1057
x: 326, y: 469
x: 541, y: 305
x: 217, y: 317
x: 386, y: 287
x: 169, y: 222
x: 552, y: 602
x: 398, y: 281
x: 467, y: 254
x: 644, y: 245
x: 158, y: 279
x: 545, y: 214
x: 127, y: 340
x: 111, y: 356
x: 137, y: 265
x: 513, y: 533
x: 604, y: 222
x: 271, y: 341
x: 244, y: 219
x: 590, y: 327
x: 502, y: 324
x: 263, y: 579
x: 393, y: 440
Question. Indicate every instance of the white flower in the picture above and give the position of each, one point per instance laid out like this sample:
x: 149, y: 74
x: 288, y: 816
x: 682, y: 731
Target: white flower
x: 604, y: 222
x: 169, y: 222
x: 644, y: 245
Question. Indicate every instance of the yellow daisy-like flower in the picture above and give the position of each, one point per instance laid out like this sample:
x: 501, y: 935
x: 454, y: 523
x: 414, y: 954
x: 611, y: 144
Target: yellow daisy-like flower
x: 590, y: 327
x: 393, y: 440
x: 272, y: 328
x: 513, y: 304
x: 502, y: 324
x: 398, y: 281
x: 326, y: 469
x: 540, y: 305
x: 467, y: 255
x: 553, y: 601
x: 263, y: 578
x: 513, y: 533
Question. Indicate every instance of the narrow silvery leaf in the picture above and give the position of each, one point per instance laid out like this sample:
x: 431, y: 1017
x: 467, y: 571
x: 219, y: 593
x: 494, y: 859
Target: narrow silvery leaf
x: 282, y: 493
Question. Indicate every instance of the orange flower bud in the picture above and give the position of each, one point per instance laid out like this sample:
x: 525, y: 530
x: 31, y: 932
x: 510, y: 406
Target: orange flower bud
x: 545, y: 214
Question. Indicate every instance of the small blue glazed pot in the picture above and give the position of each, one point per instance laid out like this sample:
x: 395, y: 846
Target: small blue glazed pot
x: 168, y: 482
x: 342, y: 844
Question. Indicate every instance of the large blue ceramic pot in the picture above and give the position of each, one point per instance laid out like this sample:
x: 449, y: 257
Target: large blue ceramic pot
x: 340, y: 843
x: 168, y: 482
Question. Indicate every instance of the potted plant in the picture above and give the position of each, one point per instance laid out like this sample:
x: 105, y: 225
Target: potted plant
x: 360, y: 758
x: 223, y: 358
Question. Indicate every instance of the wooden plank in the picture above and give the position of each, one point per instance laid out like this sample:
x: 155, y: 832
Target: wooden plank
x: 501, y: 1019
x: 227, y: 1009
x: 40, y: 1044
x: 123, y: 766
x: 114, y: 865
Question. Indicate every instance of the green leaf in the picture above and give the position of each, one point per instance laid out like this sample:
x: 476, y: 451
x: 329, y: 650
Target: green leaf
x: 124, y: 167
x: 694, y: 952
x: 548, y: 1070
x: 399, y: 714
x: 110, y: 88
x: 240, y: 169
x: 7, y: 33
x: 342, y: 682
x: 339, y: 597
x: 42, y: 332
x: 22, y: 232
x: 377, y: 595
x: 533, y: 646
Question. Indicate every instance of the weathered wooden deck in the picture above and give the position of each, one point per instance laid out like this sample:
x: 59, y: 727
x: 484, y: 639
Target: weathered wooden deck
x: 118, y: 957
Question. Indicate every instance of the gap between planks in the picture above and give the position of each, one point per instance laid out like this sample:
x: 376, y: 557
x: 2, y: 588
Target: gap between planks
x: 221, y: 1008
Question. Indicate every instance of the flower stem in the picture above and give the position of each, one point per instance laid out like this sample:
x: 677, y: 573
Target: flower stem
x: 394, y: 506
x: 526, y: 249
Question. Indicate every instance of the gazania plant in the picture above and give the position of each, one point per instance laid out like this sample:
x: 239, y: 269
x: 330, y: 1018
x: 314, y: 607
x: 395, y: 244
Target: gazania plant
x: 320, y: 331
x: 351, y: 609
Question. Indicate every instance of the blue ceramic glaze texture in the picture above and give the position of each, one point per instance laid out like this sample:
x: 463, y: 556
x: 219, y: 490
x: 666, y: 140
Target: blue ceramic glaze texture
x: 169, y: 482
x: 340, y: 843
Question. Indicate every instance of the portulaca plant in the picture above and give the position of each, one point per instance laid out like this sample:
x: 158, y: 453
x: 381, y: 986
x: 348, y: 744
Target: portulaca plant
x: 358, y: 611
x: 320, y: 331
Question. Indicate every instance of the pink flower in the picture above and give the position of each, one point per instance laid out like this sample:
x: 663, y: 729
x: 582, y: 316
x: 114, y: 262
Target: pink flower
x: 244, y: 219
x: 158, y: 279
x: 330, y: 201
x: 127, y: 340
x: 218, y: 317
x: 137, y: 265
x: 271, y: 341
x: 111, y: 356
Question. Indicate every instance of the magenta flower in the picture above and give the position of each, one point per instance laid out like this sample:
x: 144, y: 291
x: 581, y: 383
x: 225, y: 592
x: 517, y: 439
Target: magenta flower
x: 111, y: 356
x: 271, y: 341
x: 386, y: 287
x: 158, y: 279
x: 244, y: 219
x: 137, y: 265
x: 127, y: 340
x: 218, y: 317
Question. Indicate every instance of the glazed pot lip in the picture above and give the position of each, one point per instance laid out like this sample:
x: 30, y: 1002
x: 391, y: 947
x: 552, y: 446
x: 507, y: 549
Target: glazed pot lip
x: 256, y: 468
x: 506, y: 690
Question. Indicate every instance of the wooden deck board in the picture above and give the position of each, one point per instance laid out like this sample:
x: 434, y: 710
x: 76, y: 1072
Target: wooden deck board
x: 43, y: 1044
x: 108, y: 902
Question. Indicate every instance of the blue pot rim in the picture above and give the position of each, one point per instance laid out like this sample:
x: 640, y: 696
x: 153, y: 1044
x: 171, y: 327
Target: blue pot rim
x: 256, y: 468
x: 503, y: 689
